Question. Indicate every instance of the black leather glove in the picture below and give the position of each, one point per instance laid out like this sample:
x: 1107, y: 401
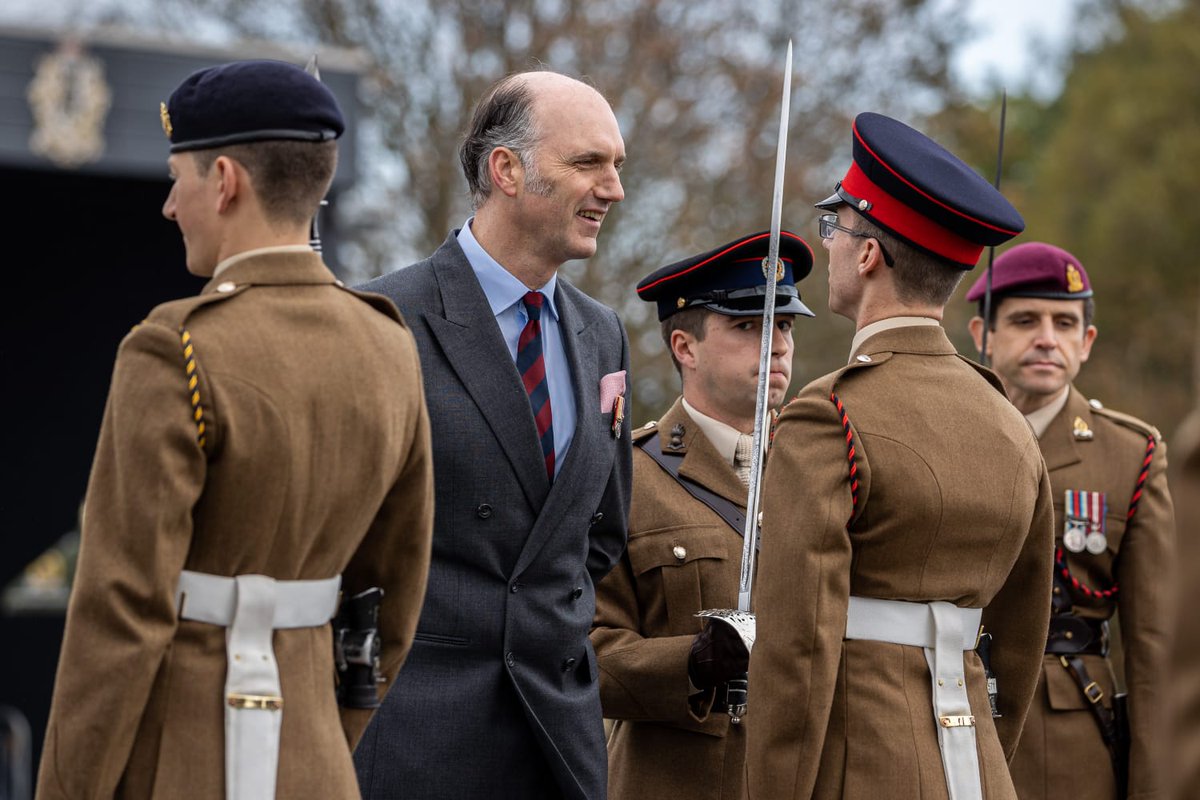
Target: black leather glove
x: 718, y: 654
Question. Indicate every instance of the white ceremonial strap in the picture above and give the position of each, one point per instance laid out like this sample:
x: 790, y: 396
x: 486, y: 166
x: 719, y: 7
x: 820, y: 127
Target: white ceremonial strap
x: 252, y: 607
x: 944, y: 631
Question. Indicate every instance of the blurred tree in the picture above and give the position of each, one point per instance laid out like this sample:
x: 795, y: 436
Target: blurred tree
x: 695, y: 85
x: 1110, y: 170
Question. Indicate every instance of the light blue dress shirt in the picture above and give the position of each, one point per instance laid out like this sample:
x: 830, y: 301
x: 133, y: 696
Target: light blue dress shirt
x: 504, y: 293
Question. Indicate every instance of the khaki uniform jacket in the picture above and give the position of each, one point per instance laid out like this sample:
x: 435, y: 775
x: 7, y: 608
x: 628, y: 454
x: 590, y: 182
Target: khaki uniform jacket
x: 315, y: 461
x: 1185, y: 676
x: 934, y: 489
x: 1061, y: 733
x: 682, y: 558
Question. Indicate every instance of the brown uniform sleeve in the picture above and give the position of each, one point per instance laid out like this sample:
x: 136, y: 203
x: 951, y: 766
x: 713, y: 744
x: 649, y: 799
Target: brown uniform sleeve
x: 395, y: 553
x: 801, y: 596
x: 1145, y: 603
x: 1019, y: 617
x: 147, y: 474
x: 641, y: 677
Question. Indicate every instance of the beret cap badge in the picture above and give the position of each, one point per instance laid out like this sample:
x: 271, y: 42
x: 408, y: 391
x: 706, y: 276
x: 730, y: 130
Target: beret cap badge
x: 1074, y: 282
x: 166, y: 119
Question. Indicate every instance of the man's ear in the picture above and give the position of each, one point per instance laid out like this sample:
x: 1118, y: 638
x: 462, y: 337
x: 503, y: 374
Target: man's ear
x: 870, y: 257
x: 231, y: 181
x: 506, y: 171
x: 683, y: 347
x: 975, y: 326
x: 1089, y: 338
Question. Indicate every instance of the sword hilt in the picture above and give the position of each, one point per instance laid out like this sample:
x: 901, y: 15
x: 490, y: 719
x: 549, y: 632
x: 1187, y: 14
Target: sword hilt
x: 736, y: 695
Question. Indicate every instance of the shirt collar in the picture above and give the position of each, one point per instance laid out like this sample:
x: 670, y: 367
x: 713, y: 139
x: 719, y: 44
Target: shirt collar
x: 500, y: 286
x: 881, y: 325
x: 1040, y: 419
x: 722, y: 437
x: 282, y: 248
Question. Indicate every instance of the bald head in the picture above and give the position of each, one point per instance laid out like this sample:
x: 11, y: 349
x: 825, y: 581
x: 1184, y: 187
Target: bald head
x: 511, y: 114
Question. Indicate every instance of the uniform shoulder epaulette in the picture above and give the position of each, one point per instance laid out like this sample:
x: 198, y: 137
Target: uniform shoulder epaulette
x: 1141, y: 426
x: 987, y: 373
x: 174, y: 313
x: 645, y: 431
x: 379, y: 302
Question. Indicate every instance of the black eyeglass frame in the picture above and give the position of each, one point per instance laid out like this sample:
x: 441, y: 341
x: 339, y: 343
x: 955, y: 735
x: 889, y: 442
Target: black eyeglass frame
x: 827, y: 224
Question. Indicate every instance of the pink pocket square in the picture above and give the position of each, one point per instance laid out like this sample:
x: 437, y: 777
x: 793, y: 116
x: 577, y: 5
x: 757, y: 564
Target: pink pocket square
x: 612, y: 398
x: 612, y: 386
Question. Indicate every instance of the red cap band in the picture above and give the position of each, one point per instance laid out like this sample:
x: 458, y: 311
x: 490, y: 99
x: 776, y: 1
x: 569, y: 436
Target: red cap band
x: 910, y: 224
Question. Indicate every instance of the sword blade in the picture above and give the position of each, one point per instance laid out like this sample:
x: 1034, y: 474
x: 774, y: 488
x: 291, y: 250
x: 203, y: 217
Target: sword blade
x: 750, y: 535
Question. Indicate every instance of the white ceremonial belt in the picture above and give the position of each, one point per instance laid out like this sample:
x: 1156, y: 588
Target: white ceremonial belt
x: 253, y: 607
x: 945, y: 631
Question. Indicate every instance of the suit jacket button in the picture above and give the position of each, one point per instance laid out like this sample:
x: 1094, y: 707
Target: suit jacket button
x: 510, y: 659
x: 599, y: 515
x: 568, y: 665
x: 516, y: 587
x: 680, y: 552
x: 577, y: 593
x: 483, y: 511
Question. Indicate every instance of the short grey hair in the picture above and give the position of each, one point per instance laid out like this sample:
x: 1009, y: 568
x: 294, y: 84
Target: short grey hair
x: 503, y: 118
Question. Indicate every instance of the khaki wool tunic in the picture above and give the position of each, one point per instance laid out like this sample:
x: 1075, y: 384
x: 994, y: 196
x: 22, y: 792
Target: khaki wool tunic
x: 682, y: 558
x: 1061, y: 733
x: 315, y: 462
x: 944, y: 497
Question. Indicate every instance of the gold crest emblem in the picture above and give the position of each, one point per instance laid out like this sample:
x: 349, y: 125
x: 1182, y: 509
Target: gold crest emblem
x: 1074, y: 281
x: 680, y: 303
x: 166, y: 119
x: 778, y: 269
x: 1081, y: 429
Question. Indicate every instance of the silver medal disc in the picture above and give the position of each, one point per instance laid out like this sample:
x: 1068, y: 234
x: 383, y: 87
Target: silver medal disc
x: 1096, y: 543
x: 1074, y: 540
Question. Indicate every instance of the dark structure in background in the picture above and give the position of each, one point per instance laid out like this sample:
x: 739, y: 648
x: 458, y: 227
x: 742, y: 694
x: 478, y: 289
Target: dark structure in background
x: 87, y: 254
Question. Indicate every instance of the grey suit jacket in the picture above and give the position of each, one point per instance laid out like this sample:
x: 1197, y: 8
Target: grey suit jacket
x: 498, y: 697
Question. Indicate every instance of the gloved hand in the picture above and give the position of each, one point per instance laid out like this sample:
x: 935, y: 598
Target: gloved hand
x: 718, y: 654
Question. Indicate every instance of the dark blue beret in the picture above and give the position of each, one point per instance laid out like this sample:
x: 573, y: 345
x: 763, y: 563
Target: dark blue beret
x: 250, y: 101
x: 918, y: 191
x: 1035, y: 269
x: 731, y: 279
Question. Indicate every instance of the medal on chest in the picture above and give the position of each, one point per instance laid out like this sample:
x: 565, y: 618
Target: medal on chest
x: 1084, y: 526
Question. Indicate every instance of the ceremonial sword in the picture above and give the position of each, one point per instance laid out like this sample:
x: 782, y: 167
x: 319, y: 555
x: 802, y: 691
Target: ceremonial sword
x: 314, y: 236
x: 987, y: 291
x: 742, y: 619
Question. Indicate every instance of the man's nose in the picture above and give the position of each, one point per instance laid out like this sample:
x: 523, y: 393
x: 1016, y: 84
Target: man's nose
x: 610, y: 189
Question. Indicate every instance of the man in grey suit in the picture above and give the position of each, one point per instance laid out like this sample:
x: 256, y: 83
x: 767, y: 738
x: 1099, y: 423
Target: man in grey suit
x: 525, y: 382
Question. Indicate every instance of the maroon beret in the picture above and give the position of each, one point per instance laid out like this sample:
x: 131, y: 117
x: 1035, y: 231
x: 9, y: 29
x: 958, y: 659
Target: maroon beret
x: 1035, y: 269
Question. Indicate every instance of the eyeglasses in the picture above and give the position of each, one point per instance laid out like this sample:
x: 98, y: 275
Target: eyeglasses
x: 827, y: 224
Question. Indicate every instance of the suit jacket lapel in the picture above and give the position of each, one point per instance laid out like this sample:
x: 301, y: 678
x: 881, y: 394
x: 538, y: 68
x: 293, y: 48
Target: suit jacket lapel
x: 1058, y: 443
x: 476, y: 351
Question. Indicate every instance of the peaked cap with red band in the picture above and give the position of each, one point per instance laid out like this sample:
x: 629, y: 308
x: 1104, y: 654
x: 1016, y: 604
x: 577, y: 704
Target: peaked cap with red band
x: 731, y: 280
x: 922, y: 194
x: 1035, y: 269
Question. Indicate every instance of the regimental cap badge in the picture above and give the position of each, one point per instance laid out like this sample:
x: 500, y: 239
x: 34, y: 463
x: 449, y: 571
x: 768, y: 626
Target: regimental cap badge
x: 1074, y: 281
x: 1081, y: 430
x: 778, y: 268
x: 166, y: 119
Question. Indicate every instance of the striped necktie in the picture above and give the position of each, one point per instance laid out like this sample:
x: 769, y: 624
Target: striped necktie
x: 742, y: 457
x: 532, y: 367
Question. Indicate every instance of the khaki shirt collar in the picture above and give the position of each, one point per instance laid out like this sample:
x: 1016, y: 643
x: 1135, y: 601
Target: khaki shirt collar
x: 258, y: 251
x: 879, y: 326
x: 722, y: 437
x: 1040, y: 419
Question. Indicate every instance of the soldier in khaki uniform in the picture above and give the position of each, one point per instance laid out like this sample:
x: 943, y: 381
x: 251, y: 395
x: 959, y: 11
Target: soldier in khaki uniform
x: 259, y: 440
x: 1114, y: 537
x: 686, y: 527
x: 905, y: 501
